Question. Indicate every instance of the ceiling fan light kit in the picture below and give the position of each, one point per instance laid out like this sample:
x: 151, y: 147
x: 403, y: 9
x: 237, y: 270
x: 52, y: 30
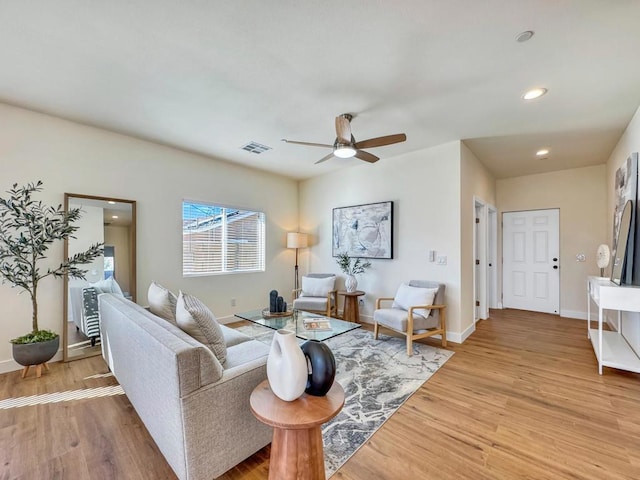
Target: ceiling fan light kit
x: 345, y: 145
x: 344, y: 151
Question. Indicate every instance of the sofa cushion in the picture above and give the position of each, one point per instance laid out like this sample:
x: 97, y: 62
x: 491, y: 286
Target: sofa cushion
x: 194, y: 318
x: 246, y: 352
x: 108, y: 285
x: 233, y: 337
x: 317, y: 287
x: 162, y: 302
x: 413, y: 296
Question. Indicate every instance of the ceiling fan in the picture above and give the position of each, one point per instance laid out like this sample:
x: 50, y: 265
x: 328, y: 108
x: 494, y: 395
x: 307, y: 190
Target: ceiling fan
x: 345, y: 146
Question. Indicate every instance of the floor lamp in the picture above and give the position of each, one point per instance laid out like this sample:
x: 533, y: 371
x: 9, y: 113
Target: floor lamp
x: 297, y: 240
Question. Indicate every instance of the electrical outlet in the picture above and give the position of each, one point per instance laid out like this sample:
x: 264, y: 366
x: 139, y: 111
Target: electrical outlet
x: 442, y: 260
x: 233, y: 302
x: 361, y: 302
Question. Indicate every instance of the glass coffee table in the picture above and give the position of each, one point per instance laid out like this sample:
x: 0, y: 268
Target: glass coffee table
x: 306, y: 325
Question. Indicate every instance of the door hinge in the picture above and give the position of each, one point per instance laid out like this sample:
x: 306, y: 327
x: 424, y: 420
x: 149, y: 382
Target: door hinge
x: 477, y: 262
x: 477, y: 303
x: 477, y: 220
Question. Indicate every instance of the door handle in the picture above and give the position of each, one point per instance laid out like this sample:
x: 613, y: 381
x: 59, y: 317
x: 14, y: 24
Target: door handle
x: 555, y: 259
x: 555, y: 267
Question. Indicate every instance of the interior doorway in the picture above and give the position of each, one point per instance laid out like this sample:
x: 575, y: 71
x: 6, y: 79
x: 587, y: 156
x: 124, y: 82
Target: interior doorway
x: 531, y: 260
x: 485, y: 231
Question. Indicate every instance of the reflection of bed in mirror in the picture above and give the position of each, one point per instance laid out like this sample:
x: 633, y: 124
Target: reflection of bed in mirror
x: 110, y: 221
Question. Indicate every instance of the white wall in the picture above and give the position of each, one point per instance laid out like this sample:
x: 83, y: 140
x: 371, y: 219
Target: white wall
x: 628, y: 143
x: 425, y: 189
x: 476, y: 182
x: 580, y: 194
x: 66, y: 156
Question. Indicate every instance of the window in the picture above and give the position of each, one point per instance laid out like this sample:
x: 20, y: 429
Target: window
x: 219, y: 240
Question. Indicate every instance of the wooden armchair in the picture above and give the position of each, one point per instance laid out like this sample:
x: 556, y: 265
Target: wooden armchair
x: 412, y: 314
x: 317, y: 295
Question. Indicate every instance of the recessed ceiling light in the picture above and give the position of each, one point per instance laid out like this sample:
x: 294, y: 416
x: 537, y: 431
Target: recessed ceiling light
x: 114, y: 216
x: 534, y: 93
x: 542, y: 152
x: 524, y: 36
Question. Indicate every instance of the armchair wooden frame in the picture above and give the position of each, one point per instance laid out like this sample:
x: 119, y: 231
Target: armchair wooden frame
x: 332, y: 305
x: 411, y: 336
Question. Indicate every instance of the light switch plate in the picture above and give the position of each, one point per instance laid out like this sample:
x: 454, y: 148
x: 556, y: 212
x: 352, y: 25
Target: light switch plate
x: 442, y: 260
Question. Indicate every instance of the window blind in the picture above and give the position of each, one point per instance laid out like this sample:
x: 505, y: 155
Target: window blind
x: 218, y: 240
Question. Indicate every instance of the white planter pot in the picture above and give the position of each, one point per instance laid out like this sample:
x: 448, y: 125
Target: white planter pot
x: 351, y: 284
x: 286, y: 366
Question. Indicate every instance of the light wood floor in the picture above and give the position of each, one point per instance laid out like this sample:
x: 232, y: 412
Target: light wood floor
x: 520, y: 399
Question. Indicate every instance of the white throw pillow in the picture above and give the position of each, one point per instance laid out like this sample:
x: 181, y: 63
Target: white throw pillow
x: 317, y: 287
x: 408, y: 296
x: 195, y: 319
x: 162, y: 302
x: 108, y: 285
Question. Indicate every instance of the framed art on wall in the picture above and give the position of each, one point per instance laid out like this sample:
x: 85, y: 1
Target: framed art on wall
x: 364, y: 231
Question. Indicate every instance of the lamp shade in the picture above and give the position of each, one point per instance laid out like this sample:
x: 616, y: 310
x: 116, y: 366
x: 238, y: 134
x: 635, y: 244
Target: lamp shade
x: 297, y: 240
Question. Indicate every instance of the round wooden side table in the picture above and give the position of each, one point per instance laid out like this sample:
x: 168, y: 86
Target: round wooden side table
x: 296, y: 448
x: 351, y: 311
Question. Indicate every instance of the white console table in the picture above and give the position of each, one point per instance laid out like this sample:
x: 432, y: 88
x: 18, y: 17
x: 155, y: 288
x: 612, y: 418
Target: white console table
x: 611, y: 348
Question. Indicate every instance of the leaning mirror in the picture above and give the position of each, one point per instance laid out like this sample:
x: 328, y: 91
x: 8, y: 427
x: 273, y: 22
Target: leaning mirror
x: 111, y: 221
x: 620, y: 258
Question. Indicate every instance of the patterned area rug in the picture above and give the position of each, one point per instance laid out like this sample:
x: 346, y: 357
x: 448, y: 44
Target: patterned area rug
x: 377, y: 377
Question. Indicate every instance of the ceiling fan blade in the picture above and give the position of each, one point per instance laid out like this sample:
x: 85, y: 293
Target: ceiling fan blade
x: 309, y: 144
x: 366, y: 156
x: 381, y: 141
x: 324, y: 159
x: 343, y: 129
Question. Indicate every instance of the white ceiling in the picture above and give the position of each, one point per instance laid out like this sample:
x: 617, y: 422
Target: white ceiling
x: 210, y: 76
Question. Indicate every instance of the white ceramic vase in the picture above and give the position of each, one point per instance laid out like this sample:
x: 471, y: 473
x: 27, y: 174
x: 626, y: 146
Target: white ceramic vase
x: 351, y: 284
x: 286, y: 366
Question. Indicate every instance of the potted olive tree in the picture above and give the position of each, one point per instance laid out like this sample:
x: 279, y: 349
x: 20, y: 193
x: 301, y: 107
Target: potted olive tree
x: 351, y: 269
x: 27, y: 230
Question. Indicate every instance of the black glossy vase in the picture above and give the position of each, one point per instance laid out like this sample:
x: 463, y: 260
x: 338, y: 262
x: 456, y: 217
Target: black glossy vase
x: 322, y: 367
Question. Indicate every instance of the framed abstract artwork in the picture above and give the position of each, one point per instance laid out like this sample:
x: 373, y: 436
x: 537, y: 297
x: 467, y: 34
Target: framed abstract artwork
x: 364, y: 231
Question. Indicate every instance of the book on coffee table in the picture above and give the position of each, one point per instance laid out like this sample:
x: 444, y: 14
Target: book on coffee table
x: 317, y: 324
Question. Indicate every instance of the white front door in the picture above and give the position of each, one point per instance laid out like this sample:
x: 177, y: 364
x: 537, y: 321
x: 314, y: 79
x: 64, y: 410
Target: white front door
x: 531, y: 260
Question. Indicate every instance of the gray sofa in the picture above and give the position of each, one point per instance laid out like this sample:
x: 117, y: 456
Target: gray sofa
x: 196, y: 409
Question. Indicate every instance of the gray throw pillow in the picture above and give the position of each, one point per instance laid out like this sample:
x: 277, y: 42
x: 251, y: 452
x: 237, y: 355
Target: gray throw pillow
x: 195, y: 319
x: 162, y: 302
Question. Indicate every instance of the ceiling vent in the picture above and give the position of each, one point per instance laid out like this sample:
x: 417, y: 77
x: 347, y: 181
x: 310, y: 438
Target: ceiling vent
x: 255, y: 147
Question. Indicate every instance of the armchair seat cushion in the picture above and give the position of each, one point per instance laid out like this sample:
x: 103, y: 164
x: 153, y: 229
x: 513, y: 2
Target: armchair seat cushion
x: 397, y: 319
x: 311, y: 303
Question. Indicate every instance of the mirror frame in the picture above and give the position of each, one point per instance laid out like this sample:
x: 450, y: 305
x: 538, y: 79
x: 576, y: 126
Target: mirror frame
x: 132, y: 274
x: 619, y: 266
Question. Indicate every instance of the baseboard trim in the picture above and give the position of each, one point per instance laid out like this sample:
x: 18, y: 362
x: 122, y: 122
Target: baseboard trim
x: 7, y: 366
x: 573, y: 314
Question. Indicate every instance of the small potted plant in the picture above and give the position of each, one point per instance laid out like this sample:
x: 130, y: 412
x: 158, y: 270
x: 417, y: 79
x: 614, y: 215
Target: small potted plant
x: 351, y: 270
x: 27, y: 230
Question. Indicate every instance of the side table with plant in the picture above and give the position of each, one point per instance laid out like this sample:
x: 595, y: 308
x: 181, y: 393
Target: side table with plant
x: 351, y: 270
x: 27, y: 230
